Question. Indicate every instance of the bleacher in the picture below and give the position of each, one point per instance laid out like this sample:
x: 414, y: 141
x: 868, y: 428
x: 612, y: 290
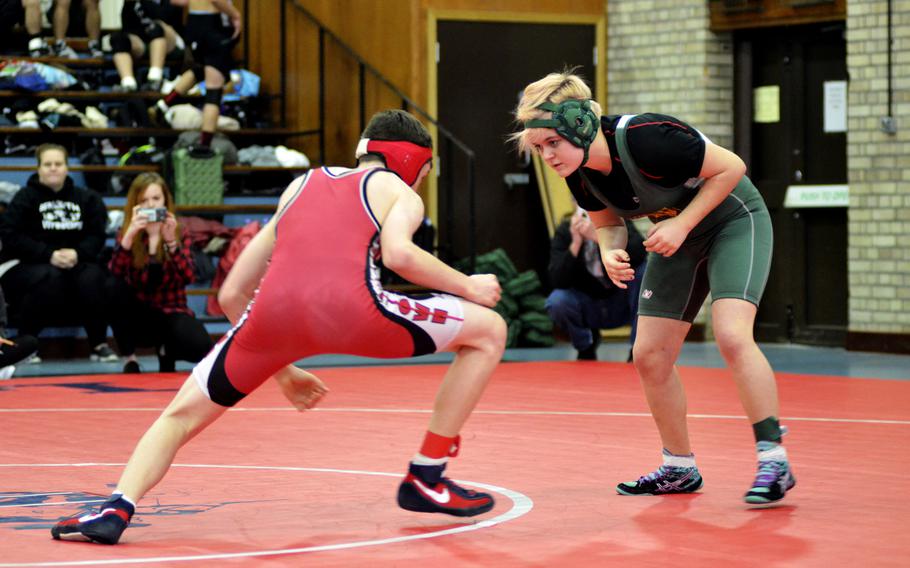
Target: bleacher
x: 250, y: 193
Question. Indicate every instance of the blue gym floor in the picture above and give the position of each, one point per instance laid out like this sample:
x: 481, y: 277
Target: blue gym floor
x: 784, y: 358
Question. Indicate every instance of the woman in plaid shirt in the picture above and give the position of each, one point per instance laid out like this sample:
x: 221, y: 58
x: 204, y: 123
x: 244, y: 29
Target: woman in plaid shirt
x: 153, y: 263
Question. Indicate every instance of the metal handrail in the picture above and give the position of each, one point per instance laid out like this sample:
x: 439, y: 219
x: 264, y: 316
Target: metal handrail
x: 407, y: 104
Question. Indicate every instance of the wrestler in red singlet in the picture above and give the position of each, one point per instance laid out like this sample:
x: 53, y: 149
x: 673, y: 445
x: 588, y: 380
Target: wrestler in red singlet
x: 288, y: 319
x: 316, y: 266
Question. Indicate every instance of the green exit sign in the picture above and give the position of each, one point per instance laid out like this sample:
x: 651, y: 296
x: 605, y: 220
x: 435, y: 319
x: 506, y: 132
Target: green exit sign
x: 802, y: 196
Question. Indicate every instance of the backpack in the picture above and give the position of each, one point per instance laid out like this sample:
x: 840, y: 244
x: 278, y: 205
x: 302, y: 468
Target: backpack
x: 238, y: 243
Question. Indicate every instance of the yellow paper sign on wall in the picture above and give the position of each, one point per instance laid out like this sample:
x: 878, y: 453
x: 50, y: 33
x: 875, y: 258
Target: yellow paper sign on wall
x: 766, y: 104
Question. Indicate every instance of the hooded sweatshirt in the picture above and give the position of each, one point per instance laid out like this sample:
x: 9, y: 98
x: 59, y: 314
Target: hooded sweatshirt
x: 39, y: 221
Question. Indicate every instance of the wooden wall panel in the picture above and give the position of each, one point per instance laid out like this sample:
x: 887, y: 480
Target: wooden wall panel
x: 302, y: 81
x: 391, y: 35
x: 262, y: 42
x: 378, y: 30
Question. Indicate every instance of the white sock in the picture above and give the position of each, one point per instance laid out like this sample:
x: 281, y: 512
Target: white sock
x: 420, y: 459
x: 672, y: 460
x: 128, y: 83
x: 777, y: 453
x: 155, y: 73
x: 119, y: 495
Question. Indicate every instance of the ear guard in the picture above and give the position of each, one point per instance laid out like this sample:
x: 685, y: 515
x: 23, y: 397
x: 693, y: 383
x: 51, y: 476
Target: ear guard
x: 405, y: 159
x: 572, y: 119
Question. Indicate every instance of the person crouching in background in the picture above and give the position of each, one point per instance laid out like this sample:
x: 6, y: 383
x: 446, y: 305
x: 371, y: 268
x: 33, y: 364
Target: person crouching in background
x: 153, y: 265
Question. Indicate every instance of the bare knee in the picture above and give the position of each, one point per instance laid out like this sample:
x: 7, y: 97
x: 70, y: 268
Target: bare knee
x: 190, y: 411
x: 497, y: 333
x: 487, y: 333
x: 733, y: 338
x: 733, y: 342
x: 653, y: 361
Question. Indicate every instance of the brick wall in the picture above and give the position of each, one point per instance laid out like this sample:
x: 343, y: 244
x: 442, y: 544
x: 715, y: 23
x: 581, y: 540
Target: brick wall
x: 661, y: 57
x: 878, y: 169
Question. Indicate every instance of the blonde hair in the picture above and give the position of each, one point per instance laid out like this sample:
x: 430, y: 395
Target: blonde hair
x: 554, y: 88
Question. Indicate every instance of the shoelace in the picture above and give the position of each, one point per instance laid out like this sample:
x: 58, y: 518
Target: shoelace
x: 662, y: 471
x: 460, y: 491
x: 768, y: 473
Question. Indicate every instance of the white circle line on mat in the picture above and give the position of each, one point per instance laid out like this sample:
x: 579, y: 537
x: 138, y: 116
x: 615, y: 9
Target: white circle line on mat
x: 521, y: 505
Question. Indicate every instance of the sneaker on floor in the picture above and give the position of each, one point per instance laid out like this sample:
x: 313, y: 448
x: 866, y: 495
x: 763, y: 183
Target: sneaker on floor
x: 444, y: 496
x: 125, y: 87
x: 37, y: 47
x: 34, y: 359
x: 590, y: 353
x: 152, y: 85
x: 103, y: 353
x: 105, y: 527
x: 6, y: 373
x: 94, y: 49
x: 666, y: 480
x: 773, y: 480
x: 61, y: 49
x: 18, y: 349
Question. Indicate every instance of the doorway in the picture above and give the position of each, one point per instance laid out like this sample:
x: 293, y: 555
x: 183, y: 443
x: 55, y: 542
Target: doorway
x: 482, y: 66
x: 789, y: 134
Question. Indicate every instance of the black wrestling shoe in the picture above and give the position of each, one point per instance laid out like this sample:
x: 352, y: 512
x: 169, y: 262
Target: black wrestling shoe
x: 443, y: 496
x: 104, y: 527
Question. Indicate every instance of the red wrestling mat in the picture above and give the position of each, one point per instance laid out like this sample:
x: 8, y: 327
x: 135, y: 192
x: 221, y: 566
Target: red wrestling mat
x: 266, y: 485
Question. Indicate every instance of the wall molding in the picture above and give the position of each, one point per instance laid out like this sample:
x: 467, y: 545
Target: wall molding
x: 878, y: 342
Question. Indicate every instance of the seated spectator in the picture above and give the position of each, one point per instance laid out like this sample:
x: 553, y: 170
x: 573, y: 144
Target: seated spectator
x: 11, y: 352
x: 153, y: 263
x: 584, y: 300
x: 144, y: 31
x: 55, y: 231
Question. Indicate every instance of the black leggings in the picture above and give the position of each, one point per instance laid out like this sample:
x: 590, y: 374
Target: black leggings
x: 40, y: 295
x: 138, y: 324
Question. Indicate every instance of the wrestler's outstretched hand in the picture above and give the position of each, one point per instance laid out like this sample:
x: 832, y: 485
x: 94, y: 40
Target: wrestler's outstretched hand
x: 303, y: 389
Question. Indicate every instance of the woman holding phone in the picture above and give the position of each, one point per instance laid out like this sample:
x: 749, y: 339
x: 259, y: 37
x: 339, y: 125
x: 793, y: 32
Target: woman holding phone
x: 153, y: 265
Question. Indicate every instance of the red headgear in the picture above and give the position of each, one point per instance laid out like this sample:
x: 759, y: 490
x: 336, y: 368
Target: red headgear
x: 404, y: 158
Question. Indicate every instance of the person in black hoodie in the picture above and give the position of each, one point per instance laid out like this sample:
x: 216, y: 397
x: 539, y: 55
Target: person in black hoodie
x: 56, y: 232
x: 584, y: 300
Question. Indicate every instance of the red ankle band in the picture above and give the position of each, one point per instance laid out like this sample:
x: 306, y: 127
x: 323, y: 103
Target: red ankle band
x: 436, y: 446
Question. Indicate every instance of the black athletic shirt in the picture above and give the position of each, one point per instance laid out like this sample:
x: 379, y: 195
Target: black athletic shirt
x: 667, y: 151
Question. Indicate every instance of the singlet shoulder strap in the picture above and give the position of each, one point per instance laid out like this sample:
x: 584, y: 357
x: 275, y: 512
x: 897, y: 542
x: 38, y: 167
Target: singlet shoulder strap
x: 280, y: 213
x: 622, y: 146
